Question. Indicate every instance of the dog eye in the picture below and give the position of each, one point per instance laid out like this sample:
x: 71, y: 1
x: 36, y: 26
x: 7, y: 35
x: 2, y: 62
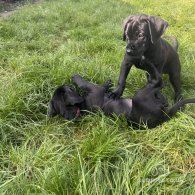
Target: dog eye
x: 141, y: 35
x: 69, y: 107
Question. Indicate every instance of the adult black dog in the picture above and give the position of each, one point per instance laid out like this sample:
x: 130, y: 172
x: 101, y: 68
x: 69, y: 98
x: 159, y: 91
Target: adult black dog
x: 143, y: 36
x: 148, y: 106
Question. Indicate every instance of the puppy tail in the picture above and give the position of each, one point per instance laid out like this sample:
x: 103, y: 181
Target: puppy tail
x: 177, y: 106
x: 174, y: 41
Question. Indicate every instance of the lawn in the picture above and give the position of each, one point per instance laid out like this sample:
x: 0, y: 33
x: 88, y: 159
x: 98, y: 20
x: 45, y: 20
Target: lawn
x: 41, y: 46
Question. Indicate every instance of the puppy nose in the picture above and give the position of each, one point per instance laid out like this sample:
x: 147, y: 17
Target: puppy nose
x: 128, y: 50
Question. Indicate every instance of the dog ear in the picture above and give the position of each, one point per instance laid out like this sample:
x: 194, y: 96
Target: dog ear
x: 126, y: 22
x: 51, y: 110
x: 157, y: 27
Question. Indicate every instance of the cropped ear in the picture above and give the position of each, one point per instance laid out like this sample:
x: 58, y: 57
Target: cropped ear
x: 157, y: 27
x: 51, y: 110
x: 126, y: 23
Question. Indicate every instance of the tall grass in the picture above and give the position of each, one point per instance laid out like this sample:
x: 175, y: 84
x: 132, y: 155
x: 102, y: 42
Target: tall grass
x: 42, y: 45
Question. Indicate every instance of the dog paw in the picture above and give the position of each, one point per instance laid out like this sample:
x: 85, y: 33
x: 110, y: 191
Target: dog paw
x: 109, y: 83
x: 75, y: 77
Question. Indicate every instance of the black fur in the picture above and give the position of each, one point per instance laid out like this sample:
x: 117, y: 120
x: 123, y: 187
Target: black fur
x: 143, y: 36
x: 148, y: 106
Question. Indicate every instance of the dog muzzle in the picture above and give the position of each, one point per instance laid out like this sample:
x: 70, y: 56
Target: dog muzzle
x: 131, y: 50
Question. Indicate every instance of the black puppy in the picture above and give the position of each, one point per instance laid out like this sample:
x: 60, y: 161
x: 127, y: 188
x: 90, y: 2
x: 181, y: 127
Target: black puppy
x: 143, y: 36
x: 148, y: 106
x: 67, y: 103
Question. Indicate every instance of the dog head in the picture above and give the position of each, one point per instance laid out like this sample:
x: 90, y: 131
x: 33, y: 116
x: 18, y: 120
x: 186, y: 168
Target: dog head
x: 65, y: 102
x: 140, y: 31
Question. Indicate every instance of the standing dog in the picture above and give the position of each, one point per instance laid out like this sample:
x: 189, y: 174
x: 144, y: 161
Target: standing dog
x: 143, y: 36
x: 148, y: 106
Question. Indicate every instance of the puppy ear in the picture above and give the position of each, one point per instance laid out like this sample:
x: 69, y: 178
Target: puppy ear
x: 51, y: 110
x: 126, y: 22
x: 157, y: 27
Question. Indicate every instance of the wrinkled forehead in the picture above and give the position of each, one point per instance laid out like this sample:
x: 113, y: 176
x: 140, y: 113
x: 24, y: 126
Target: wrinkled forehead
x: 136, y: 26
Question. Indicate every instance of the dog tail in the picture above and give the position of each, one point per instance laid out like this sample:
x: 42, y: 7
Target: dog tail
x: 174, y: 41
x: 177, y: 106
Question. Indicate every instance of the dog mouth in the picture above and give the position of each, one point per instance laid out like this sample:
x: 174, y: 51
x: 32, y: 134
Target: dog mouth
x: 134, y: 53
x: 72, y: 112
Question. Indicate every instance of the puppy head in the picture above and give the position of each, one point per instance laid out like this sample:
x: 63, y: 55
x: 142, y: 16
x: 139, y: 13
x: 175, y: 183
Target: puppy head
x: 140, y: 31
x: 65, y: 102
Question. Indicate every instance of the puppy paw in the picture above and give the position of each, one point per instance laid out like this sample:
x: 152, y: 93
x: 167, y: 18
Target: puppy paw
x: 108, y: 84
x: 76, y: 77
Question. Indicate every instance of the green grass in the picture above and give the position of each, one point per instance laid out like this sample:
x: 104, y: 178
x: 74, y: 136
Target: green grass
x: 41, y: 46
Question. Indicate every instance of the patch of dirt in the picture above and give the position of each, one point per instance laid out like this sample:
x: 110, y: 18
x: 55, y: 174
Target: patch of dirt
x: 6, y: 14
x: 8, y: 7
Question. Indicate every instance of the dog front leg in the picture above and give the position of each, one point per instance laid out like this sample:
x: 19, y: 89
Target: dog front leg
x: 124, y: 71
x: 176, y: 83
x: 81, y: 83
x: 175, y: 78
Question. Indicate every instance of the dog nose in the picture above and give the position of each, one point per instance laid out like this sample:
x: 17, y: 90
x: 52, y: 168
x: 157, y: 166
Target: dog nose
x: 128, y: 50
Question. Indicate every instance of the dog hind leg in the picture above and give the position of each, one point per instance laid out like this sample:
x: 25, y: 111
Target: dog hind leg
x: 81, y: 83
